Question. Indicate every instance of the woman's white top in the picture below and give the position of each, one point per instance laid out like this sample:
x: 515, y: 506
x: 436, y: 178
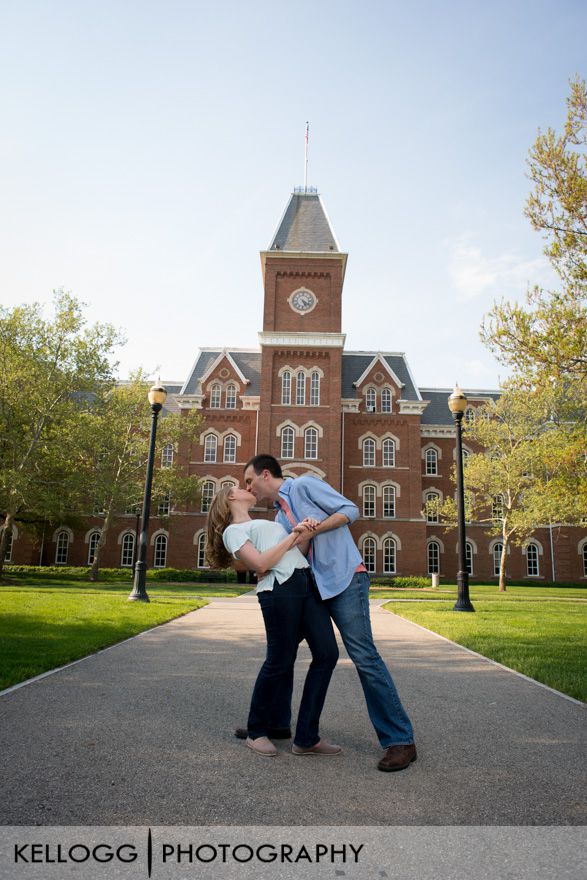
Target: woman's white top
x: 264, y: 534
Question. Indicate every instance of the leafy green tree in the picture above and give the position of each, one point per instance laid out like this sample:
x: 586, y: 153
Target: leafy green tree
x: 52, y: 368
x: 546, y: 338
x: 544, y: 341
x: 113, y: 451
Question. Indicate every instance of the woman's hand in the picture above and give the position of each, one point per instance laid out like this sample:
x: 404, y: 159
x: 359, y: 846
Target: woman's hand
x: 306, y: 525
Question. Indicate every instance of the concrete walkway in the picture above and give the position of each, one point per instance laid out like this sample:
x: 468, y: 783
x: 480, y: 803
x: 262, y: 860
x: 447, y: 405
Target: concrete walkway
x: 142, y: 734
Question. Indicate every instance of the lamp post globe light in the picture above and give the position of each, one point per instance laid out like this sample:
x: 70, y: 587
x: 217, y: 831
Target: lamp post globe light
x: 457, y: 403
x: 157, y: 396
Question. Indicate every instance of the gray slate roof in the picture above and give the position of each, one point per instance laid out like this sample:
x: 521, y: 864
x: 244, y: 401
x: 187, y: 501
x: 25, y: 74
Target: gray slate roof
x: 248, y: 362
x: 437, y: 411
x: 354, y: 365
x: 305, y: 227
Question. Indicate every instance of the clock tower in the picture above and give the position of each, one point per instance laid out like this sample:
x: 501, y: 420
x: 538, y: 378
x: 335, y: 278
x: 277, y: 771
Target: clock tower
x: 301, y: 342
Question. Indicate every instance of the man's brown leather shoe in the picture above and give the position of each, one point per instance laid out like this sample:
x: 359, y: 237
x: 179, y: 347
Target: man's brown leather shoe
x: 397, y: 758
x: 272, y: 733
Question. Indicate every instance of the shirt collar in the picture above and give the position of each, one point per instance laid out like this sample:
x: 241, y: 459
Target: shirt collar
x: 284, y: 491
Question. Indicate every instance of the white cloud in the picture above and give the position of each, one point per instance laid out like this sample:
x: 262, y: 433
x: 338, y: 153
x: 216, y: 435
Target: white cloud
x: 473, y: 273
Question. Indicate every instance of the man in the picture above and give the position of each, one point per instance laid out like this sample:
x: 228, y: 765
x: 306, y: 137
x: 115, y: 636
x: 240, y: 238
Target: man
x: 343, y: 583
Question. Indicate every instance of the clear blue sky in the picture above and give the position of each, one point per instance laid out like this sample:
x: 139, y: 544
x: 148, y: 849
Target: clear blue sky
x: 148, y: 150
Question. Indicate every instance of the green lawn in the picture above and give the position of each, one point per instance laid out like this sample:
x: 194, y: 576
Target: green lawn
x: 49, y: 623
x: 544, y: 637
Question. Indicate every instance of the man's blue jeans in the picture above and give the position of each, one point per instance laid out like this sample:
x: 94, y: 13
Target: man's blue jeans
x: 350, y: 612
x: 291, y: 611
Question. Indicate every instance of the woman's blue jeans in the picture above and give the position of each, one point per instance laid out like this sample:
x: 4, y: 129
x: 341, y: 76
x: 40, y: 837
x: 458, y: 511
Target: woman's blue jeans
x: 291, y: 611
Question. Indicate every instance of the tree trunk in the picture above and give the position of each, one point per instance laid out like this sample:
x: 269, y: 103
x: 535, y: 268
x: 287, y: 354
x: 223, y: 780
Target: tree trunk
x: 95, y: 569
x: 502, y: 565
x: 6, y: 531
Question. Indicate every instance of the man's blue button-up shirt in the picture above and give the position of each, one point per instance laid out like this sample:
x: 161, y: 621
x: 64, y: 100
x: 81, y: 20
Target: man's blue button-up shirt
x: 334, y: 554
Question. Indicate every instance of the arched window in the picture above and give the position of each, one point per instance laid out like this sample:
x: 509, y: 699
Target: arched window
x: 371, y: 400
x: 315, y: 389
x: 208, y: 489
x: 389, y: 556
x: 385, y: 400
x: 469, y: 416
x: 167, y: 455
x: 127, y: 551
x: 215, y: 397
x: 532, y: 568
x: 286, y: 388
x: 369, y: 554
x: 160, y: 552
x: 469, y: 557
x: 369, y: 501
x: 62, y: 549
x: 164, y: 505
x: 311, y: 443
x: 389, y: 502
x: 433, y: 558
x: 230, y: 449
x: 432, y: 499
x: 226, y: 483
x: 369, y: 452
x: 431, y: 462
x: 230, y: 397
x: 93, y: 542
x: 8, y: 550
x: 287, y: 442
x: 301, y: 388
x: 497, y: 551
x: 202, y: 551
x: 388, y: 447
x: 210, y: 447
x: 497, y: 508
x: 584, y: 560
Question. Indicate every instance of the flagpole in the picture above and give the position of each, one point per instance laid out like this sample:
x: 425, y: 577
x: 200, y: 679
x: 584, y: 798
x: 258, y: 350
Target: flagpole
x: 306, y: 158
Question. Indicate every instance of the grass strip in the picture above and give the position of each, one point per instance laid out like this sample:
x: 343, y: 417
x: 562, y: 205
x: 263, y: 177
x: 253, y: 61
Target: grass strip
x: 43, y: 626
x: 544, y: 640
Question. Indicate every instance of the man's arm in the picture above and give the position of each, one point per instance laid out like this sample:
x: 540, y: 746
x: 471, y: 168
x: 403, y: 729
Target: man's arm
x: 318, y: 499
x: 334, y: 521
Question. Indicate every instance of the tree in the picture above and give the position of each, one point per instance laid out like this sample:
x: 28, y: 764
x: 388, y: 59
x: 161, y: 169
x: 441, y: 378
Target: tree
x: 544, y: 341
x: 51, y: 369
x: 547, y: 337
x: 113, y: 450
x: 507, y: 481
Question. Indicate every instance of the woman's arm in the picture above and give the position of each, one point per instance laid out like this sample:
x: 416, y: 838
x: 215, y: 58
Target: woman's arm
x: 265, y: 561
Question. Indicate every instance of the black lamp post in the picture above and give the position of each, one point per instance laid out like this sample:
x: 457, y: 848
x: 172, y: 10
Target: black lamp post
x: 457, y: 404
x: 157, y: 396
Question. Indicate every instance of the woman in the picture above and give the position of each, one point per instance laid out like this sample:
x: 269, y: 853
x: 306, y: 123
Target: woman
x: 291, y: 608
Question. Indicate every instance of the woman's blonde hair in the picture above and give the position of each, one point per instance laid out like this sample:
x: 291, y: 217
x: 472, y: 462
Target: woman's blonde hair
x: 219, y: 517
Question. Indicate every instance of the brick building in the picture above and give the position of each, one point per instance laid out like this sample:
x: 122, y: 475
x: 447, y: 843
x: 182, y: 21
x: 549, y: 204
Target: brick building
x: 354, y: 418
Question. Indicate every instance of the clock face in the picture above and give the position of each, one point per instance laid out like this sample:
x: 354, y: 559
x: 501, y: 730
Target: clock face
x: 302, y: 301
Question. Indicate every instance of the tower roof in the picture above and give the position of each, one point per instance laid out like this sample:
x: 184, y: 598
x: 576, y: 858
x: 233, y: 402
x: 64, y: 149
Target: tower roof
x: 305, y: 227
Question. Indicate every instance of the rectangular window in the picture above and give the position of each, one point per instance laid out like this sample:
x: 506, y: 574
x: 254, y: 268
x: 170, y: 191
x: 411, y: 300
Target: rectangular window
x: 301, y: 389
x: 164, y: 505
x: 315, y: 389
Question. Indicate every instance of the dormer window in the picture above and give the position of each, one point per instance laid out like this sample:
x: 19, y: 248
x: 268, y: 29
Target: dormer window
x: 386, y: 400
x: 371, y: 400
x: 230, y: 397
x: 215, y: 397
